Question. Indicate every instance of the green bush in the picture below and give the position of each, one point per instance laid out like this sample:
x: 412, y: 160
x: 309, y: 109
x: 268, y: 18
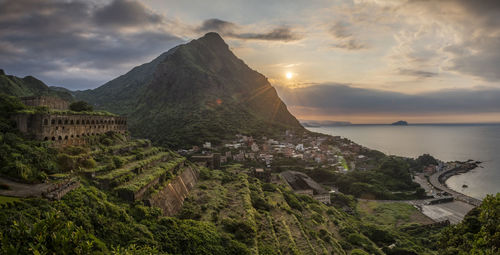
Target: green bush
x: 118, y: 161
x: 292, y: 200
x: 66, y: 162
x: 89, y: 163
x: 81, y: 106
x: 243, y: 230
x: 269, y: 187
x: 359, y: 252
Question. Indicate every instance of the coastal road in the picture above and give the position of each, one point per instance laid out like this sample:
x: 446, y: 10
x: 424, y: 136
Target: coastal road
x: 436, y: 181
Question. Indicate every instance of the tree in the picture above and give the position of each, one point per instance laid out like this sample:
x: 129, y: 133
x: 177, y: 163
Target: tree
x: 81, y: 106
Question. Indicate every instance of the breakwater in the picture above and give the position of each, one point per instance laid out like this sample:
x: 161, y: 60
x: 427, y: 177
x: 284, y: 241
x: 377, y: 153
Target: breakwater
x: 438, y: 180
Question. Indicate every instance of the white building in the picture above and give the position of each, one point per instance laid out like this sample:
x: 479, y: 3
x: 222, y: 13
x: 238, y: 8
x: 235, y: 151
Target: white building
x: 207, y: 145
x: 299, y: 147
x: 255, y: 147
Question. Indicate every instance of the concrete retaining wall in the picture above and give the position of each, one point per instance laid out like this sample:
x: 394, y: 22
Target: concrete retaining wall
x: 171, y: 197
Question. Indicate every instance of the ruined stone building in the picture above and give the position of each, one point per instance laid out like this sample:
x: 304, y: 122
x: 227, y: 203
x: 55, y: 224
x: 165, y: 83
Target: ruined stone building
x: 211, y: 161
x: 50, y: 102
x: 303, y: 184
x: 65, y: 128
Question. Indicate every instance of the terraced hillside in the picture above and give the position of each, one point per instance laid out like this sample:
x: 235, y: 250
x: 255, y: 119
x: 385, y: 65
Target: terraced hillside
x: 137, y: 171
x: 270, y: 219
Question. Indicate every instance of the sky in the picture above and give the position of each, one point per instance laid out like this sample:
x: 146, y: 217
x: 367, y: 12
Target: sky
x: 364, y: 61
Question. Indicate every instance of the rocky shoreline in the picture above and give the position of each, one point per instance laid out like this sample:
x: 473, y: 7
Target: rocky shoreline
x: 463, y: 167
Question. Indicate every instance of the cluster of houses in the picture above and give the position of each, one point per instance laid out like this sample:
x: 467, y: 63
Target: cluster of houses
x: 315, y: 151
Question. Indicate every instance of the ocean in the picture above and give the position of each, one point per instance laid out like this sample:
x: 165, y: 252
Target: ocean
x: 447, y: 142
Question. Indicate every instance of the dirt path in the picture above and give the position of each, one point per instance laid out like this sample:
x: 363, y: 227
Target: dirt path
x: 22, y: 189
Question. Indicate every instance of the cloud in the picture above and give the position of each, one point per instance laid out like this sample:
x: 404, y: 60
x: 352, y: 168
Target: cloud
x: 345, y: 39
x: 217, y: 25
x: 340, y: 30
x: 462, y: 36
x: 126, y: 13
x: 350, y: 44
x: 277, y: 34
x: 416, y: 73
x: 78, y: 44
x: 230, y: 29
x: 331, y: 99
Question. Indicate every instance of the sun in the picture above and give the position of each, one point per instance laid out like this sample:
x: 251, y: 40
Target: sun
x: 289, y: 75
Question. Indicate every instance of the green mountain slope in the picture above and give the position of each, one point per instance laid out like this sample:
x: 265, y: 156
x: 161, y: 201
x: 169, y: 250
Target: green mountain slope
x: 196, y: 92
x: 28, y: 86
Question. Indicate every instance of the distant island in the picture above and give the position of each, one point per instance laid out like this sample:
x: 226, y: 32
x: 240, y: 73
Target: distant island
x: 400, y: 123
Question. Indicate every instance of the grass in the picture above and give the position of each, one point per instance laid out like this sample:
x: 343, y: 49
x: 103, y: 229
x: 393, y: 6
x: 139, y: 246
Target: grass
x: 124, y: 170
x: 387, y: 214
x: 5, y: 200
x: 149, y: 175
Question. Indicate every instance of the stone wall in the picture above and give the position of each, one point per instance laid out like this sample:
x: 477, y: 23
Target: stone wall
x: 171, y: 197
x: 68, y: 129
x: 50, y: 102
x: 57, y: 191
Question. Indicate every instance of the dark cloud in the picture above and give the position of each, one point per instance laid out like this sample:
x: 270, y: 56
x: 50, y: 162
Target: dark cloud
x: 340, y: 30
x: 232, y: 30
x: 350, y: 44
x: 343, y: 99
x: 345, y: 39
x: 60, y: 43
x: 125, y: 13
x: 277, y: 34
x: 217, y: 25
x: 416, y: 73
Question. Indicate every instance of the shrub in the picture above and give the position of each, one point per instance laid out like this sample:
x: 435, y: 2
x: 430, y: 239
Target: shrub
x: 81, y: 106
x: 107, y: 141
x: 118, y: 161
x: 243, y: 230
x: 359, y: 252
x: 66, y: 162
x: 259, y: 202
x: 89, y: 163
x: 268, y: 187
x: 292, y: 201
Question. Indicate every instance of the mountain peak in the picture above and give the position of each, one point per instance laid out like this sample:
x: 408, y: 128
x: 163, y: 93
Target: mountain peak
x: 211, y: 40
x: 198, y: 92
x: 211, y: 36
